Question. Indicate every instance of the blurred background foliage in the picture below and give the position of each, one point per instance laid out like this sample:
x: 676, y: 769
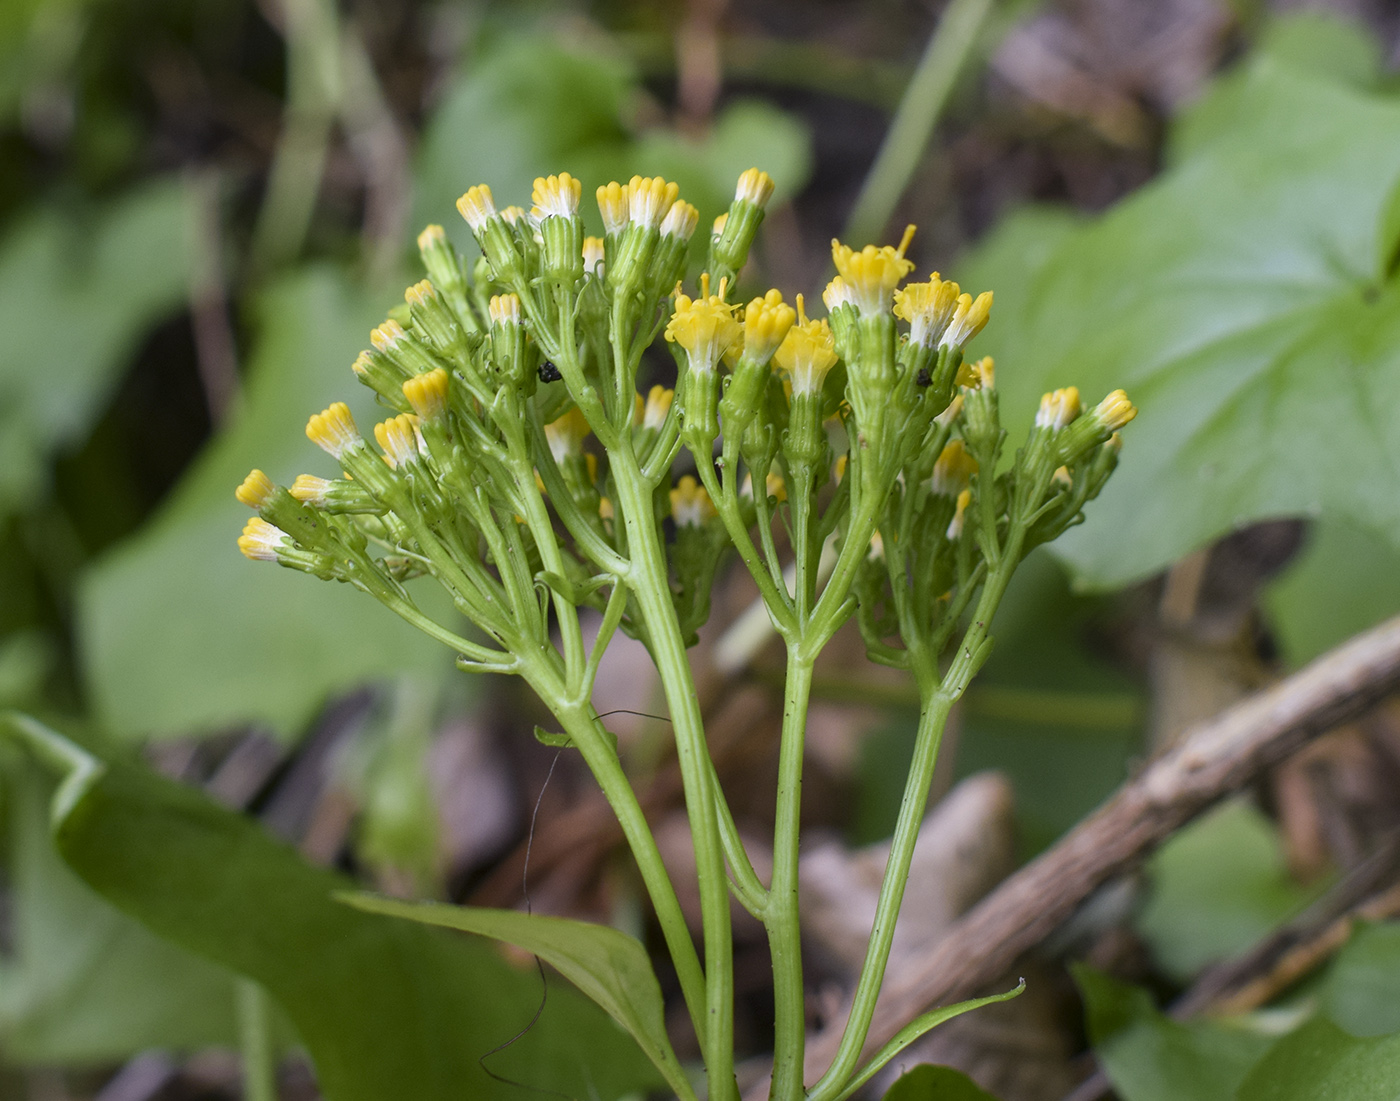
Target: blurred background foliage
x: 205, y: 205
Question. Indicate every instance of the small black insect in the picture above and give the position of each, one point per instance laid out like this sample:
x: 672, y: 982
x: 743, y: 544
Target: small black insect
x: 924, y: 378
x: 548, y: 372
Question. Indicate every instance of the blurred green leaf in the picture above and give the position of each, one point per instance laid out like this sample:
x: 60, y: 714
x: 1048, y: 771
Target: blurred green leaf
x: 606, y: 964
x: 1360, y: 989
x: 77, y: 293
x: 1218, y: 886
x: 1245, y: 301
x: 179, y: 631
x: 524, y: 106
x: 85, y: 983
x: 1346, y: 579
x: 1149, y: 1057
x: 930, y: 1083
x: 1320, y: 1062
x: 385, y: 1008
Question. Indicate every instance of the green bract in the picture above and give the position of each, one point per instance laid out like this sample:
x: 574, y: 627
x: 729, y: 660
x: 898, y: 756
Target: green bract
x: 857, y: 466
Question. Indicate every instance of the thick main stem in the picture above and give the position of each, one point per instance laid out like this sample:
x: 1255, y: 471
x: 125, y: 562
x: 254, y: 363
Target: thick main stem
x: 781, y: 916
x: 651, y: 587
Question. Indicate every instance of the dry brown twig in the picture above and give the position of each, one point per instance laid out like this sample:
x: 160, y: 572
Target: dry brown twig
x: 1210, y: 761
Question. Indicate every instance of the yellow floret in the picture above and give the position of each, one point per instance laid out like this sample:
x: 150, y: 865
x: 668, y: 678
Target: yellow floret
x: 690, y: 503
x: 477, y: 206
x: 873, y: 273
x: 807, y: 353
x: 333, y: 430
x: 766, y: 323
x: 593, y: 249
x: 427, y: 393
x: 387, y: 336
x: 928, y: 307
x: 311, y: 490
x: 420, y: 294
x: 704, y: 327
x: 260, y: 540
x: 432, y: 237
x: 657, y: 407
x: 978, y: 375
x: 566, y: 435
x: 614, y: 203
x: 255, y: 490
x: 969, y: 319
x: 650, y: 199
x: 399, y: 438
x: 680, y: 221
x: 555, y: 197
x: 953, y: 470
x: 1058, y: 408
x: 955, y: 527
x: 754, y: 187
x: 1115, y: 411
x: 505, y: 309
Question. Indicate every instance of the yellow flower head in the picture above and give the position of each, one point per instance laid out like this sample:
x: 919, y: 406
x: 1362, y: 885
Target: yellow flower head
x: 420, y: 294
x: 953, y: 470
x: 427, y: 393
x: 256, y: 490
x: 717, y: 227
x: 386, y: 337
x: 978, y: 375
x: 650, y: 199
x: 1062, y: 477
x: 838, y: 293
x: 432, y: 237
x: 399, y: 438
x: 928, y: 307
x: 1115, y: 411
x: 969, y: 319
x: 260, y: 540
x: 754, y: 187
x: 690, y: 503
x: 704, y: 327
x: 838, y: 468
x: 807, y: 353
x: 505, y: 309
x: 593, y: 255
x: 873, y: 273
x: 680, y: 221
x: 614, y: 201
x: 566, y: 435
x: 955, y: 527
x: 363, y: 364
x: 657, y: 407
x: 477, y: 207
x: 311, y: 490
x: 555, y: 197
x: 513, y: 213
x: 766, y: 323
x: 333, y: 430
x: 951, y: 413
x: 876, y: 553
x: 1058, y: 408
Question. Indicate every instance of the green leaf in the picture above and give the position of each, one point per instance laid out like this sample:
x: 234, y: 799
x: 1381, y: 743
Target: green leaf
x: 1359, y: 991
x: 1244, y: 301
x: 525, y: 106
x: 927, y: 1082
x: 1218, y: 886
x: 1346, y: 580
x: 78, y: 290
x: 179, y: 631
x: 606, y: 964
x: 1320, y: 1062
x: 1149, y: 1057
x: 384, y: 1008
x: 84, y: 983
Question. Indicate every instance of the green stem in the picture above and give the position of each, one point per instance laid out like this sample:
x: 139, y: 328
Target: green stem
x: 781, y: 917
x: 939, y: 698
x: 602, y: 761
x: 255, y: 1038
x: 652, y: 588
x: 947, y: 52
